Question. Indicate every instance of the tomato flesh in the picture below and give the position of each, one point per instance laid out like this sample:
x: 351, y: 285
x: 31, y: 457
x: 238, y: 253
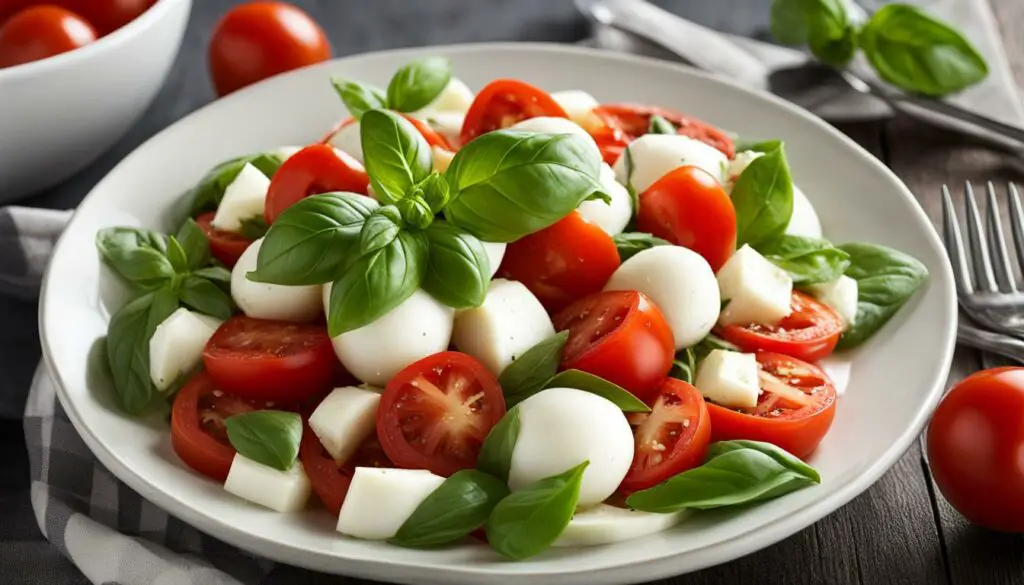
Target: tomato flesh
x: 810, y: 332
x: 502, y: 103
x: 330, y: 481
x: 318, y: 168
x: 225, y: 246
x: 41, y: 32
x: 627, y: 122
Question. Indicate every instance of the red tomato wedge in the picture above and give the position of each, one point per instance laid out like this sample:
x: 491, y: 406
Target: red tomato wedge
x: 318, y: 168
x: 436, y: 413
x: 809, y: 333
x: 502, y: 103
x: 563, y: 262
x: 794, y: 411
x: 225, y: 246
x: 271, y: 360
x: 620, y: 336
x: 329, y: 481
x: 627, y: 122
x: 672, y: 438
x: 429, y: 134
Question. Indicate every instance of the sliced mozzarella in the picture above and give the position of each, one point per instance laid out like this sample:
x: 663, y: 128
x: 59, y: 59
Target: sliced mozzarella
x: 177, y: 345
x: 442, y: 158
x: 286, y: 152
x: 604, y: 524
x: 559, y: 428
x: 344, y: 419
x: 611, y: 217
x: 654, y: 155
x: 681, y: 284
x: 510, y: 321
x: 271, y: 301
x: 579, y: 106
x: 804, y: 221
x: 284, y: 491
x: 754, y: 290
x: 841, y: 295
x: 455, y: 97
x: 548, y: 125
x: 495, y: 254
x: 729, y: 378
x: 375, y: 352
x: 448, y: 125
x: 380, y: 500
x: 349, y: 140
x: 244, y: 199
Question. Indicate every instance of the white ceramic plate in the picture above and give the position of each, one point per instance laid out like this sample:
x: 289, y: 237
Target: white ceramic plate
x: 895, y: 381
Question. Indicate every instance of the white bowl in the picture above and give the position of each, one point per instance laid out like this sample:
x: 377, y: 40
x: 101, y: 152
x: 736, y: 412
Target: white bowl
x: 896, y: 378
x: 59, y: 114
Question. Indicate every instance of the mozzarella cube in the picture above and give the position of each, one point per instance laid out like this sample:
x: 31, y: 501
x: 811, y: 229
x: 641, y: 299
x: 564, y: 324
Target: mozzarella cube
x: 804, y: 221
x: 349, y: 140
x: 380, y: 500
x: 654, y: 155
x: 448, y: 125
x: 244, y: 199
x: 841, y: 295
x: 549, y: 125
x: 455, y: 97
x: 614, y: 216
x: 579, y: 106
x: 277, y: 302
x: 176, y: 347
x: 509, y: 321
x: 729, y: 378
x: 604, y: 524
x: 754, y: 290
x: 344, y: 419
x: 442, y: 158
x: 284, y: 491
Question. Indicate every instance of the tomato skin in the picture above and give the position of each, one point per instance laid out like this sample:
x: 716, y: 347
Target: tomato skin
x: 258, y: 40
x: 502, y: 103
x: 620, y: 336
x: 974, y: 442
x: 688, y: 207
x: 40, y: 32
x: 809, y: 333
x: 563, y: 262
x: 198, y: 449
x: 107, y: 15
x: 330, y: 481
x: 225, y: 246
x: 627, y: 122
x: 315, y: 169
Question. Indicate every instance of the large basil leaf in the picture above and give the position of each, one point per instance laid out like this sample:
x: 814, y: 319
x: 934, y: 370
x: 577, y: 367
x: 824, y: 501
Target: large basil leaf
x: 206, y: 195
x: 358, y: 97
x: 496, y: 453
x: 270, y: 437
x: 137, y: 255
x: 459, y: 506
x: 780, y: 455
x: 396, y: 154
x: 206, y: 297
x: 458, y: 271
x: 630, y: 243
x: 507, y: 184
x: 763, y: 198
x: 418, y: 83
x: 128, y: 337
x: 380, y: 229
x: 807, y: 260
x: 527, y: 375
x: 886, y: 279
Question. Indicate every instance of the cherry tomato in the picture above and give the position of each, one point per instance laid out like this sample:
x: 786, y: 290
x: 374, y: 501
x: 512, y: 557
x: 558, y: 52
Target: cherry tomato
x: 975, y: 441
x: 670, y: 439
x: 225, y: 246
x: 436, y: 413
x: 810, y: 332
x: 318, y: 168
x: 504, y: 102
x: 630, y: 121
x: 330, y: 481
x: 688, y: 207
x: 794, y: 411
x: 563, y: 262
x: 431, y: 136
x: 258, y: 40
x: 106, y: 15
x: 40, y: 32
x: 271, y: 360
x: 620, y: 336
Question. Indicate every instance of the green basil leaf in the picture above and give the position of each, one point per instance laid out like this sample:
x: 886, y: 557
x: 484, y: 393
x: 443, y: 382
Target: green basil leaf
x: 217, y: 274
x: 886, y: 279
x: 507, y: 184
x: 709, y: 343
x: 418, y: 83
x: 789, y: 21
x: 128, y: 337
x: 796, y: 22
x: 496, y: 452
x: 415, y: 211
x: 807, y: 260
x: 781, y: 456
x: 459, y: 506
x: 358, y: 97
x: 634, y: 197
x: 832, y: 48
x: 195, y: 244
x: 137, y: 255
x: 380, y: 229
x: 434, y: 190
x: 270, y: 437
x: 528, y: 373
x: 919, y: 54
x: 763, y: 198
x: 735, y: 477
x: 684, y: 366
x: 660, y: 125
x: 629, y: 243
x: 458, y: 270
x: 254, y: 227
x: 310, y: 240
x: 757, y: 145
x: 610, y: 391
x: 531, y: 519
x: 375, y: 283
x: 396, y: 154
x: 206, y: 297
x: 176, y: 255
x: 206, y: 195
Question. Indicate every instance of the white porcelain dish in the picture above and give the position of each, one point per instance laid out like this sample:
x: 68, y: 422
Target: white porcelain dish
x: 895, y: 381
x: 61, y: 113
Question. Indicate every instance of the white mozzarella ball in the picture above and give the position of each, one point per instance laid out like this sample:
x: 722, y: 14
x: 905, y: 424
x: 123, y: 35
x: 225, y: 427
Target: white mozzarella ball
x: 380, y: 500
x: 548, y: 125
x: 277, y: 302
x: 284, y: 491
x: 680, y: 282
x: 455, y: 97
x: 729, y: 378
x: 559, y: 428
x: 245, y: 198
x: 804, y: 221
x: 448, y: 125
x: 375, y: 352
x: 176, y: 347
x: 610, y: 217
x: 841, y: 295
x: 344, y: 419
x: 509, y: 321
x: 495, y: 254
x: 579, y: 106
x: 348, y: 139
x: 654, y: 155
x: 604, y: 524
x: 755, y: 290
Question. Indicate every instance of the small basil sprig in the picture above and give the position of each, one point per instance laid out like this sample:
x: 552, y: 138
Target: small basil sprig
x: 610, y: 391
x: 270, y: 437
x: 459, y: 506
x: 127, y: 346
x: 194, y: 243
x: 395, y: 153
x: 458, y: 268
x: 807, y: 260
x: 138, y: 255
x: 763, y: 198
x: 529, y: 372
x: 207, y: 194
x: 630, y: 243
x: 495, y: 456
x: 413, y: 87
x: 358, y: 97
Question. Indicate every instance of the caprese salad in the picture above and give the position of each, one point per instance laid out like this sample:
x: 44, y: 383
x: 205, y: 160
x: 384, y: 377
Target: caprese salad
x: 528, y: 317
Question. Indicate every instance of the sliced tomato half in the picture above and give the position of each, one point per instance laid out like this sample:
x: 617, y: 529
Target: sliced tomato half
x: 810, y: 332
x: 627, y: 122
x: 502, y: 103
x: 318, y: 168
x: 225, y: 246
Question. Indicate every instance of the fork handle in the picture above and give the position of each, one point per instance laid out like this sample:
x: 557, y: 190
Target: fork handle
x: 1003, y: 345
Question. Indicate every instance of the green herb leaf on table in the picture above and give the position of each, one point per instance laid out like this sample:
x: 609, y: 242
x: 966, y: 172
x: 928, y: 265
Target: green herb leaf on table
x: 138, y: 255
x: 630, y: 243
x: 207, y: 194
x: 763, y: 198
x: 529, y: 372
x: 195, y: 244
x: 495, y: 456
x: 380, y: 229
x: 396, y: 154
x: 270, y: 437
x: 358, y: 97
x: 418, y: 83
x: 807, y: 260
x: 458, y: 507
x: 458, y: 269
x: 587, y: 382
x: 659, y: 125
x: 824, y: 25
x: 834, y: 48
x: 128, y: 336
x: 206, y: 297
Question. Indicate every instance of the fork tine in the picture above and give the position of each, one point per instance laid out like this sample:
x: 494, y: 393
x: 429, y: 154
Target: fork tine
x: 982, y: 263
x: 997, y: 244
x: 1017, y: 222
x: 955, y: 244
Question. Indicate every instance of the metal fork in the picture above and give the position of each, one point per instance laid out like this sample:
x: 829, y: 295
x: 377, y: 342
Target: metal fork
x: 991, y: 297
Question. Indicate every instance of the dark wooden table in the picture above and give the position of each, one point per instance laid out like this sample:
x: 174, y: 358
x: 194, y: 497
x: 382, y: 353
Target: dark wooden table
x: 899, y: 531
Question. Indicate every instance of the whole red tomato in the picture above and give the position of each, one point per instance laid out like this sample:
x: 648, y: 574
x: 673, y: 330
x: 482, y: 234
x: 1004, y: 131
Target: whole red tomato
x: 41, y: 32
